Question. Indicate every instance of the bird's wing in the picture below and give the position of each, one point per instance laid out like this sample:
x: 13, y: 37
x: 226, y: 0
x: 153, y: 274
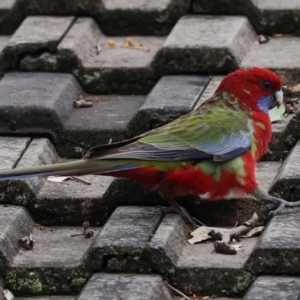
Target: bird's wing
x: 218, y: 133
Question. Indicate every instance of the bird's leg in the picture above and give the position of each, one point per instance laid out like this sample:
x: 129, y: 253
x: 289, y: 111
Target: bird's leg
x: 277, y: 203
x: 176, y: 208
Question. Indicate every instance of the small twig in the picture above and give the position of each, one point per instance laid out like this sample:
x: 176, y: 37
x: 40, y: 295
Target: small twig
x: 177, y: 291
x: 199, y: 222
x: 77, y: 234
x: 240, y: 230
x: 134, y: 47
x: 76, y: 178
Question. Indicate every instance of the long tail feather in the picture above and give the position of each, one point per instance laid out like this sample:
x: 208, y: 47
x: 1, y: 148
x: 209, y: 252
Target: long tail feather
x: 75, y: 168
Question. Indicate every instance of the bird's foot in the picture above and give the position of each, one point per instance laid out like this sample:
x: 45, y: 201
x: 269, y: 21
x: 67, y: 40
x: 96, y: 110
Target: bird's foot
x: 177, y: 209
x: 278, y: 205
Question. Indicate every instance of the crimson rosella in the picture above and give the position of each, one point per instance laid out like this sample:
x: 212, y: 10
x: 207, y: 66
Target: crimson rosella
x: 211, y: 151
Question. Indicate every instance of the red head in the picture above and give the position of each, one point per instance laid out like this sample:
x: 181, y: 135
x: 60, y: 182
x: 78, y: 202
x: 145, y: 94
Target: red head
x: 255, y: 88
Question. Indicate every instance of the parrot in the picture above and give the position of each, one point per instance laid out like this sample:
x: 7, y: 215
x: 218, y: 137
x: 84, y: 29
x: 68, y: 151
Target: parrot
x: 210, y: 152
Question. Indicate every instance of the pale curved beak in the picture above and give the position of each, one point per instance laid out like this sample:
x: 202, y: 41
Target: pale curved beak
x: 279, y: 98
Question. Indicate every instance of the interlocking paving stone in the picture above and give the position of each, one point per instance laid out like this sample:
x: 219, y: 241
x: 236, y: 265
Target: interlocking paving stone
x: 204, y: 44
x: 171, y: 97
x: 274, y: 287
x: 273, y: 17
x: 195, y: 264
x: 266, y: 16
x: 15, y: 223
x: 279, y: 54
x: 53, y: 203
x: 107, y: 119
x: 34, y: 35
x: 56, y: 264
x: 141, y: 16
x: 11, y: 15
x: 47, y: 298
x: 126, y: 244
x: 11, y: 150
x: 124, y: 237
x: 219, y: 6
x: 287, y: 183
x: 34, y: 95
x: 113, y: 69
x: 125, y: 286
x: 278, y: 249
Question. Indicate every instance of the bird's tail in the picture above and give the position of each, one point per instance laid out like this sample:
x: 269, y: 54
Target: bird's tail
x: 74, y: 168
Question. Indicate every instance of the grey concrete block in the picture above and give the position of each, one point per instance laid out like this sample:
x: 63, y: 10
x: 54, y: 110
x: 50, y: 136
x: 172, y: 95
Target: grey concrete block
x: 39, y: 103
x: 23, y: 191
x: 278, y: 249
x: 273, y: 17
x: 57, y: 263
x: 170, y: 237
x: 204, y: 44
x: 171, y: 97
x: 274, y: 287
x: 47, y: 298
x: 125, y: 287
x: 141, y: 17
x: 287, y: 182
x: 123, y: 241
x: 15, y: 224
x: 34, y: 34
x: 231, y: 7
x: 11, y: 15
x: 11, y: 150
x: 114, y: 69
x: 278, y: 54
x: 106, y: 120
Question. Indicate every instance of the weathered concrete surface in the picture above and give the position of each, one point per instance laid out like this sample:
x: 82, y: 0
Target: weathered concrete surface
x: 204, y: 44
x: 53, y: 106
x: 108, y: 69
x: 56, y: 264
x: 278, y: 54
x: 171, y: 97
x: 274, y: 287
x: 278, y: 249
x: 108, y: 119
x: 287, y: 183
x: 34, y: 35
x: 125, y: 286
x: 15, y: 224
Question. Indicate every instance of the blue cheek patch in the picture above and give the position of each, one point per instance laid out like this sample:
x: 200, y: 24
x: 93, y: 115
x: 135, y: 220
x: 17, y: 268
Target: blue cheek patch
x: 264, y: 103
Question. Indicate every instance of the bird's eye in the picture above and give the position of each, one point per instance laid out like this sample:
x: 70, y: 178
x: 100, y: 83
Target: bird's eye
x: 266, y: 84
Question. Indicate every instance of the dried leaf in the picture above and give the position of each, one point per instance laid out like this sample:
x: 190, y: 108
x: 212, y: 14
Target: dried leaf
x: 203, y: 233
x: 57, y: 178
x: 276, y: 114
x: 8, y: 295
x: 296, y: 88
x: 253, y: 232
